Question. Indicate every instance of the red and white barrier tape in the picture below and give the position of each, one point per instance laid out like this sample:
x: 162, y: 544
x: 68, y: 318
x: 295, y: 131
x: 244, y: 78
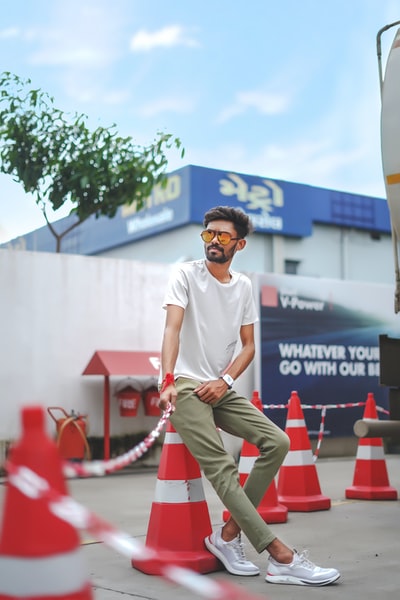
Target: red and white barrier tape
x: 99, y: 468
x: 102, y: 467
x: 323, y: 408
x: 320, y: 433
x: 327, y: 406
x: 66, y: 508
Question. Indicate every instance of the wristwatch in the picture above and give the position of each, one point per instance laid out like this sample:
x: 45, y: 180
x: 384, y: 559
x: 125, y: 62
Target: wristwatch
x: 228, y: 380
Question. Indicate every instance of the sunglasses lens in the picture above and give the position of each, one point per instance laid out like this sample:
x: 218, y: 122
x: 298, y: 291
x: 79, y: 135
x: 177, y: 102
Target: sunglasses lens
x: 207, y: 236
x: 224, y: 238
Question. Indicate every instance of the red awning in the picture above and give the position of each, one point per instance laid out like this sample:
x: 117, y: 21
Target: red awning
x: 123, y: 362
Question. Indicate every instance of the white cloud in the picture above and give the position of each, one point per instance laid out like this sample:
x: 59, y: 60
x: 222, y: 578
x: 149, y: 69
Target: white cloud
x: 10, y: 32
x: 78, y: 35
x: 307, y: 160
x: 116, y: 97
x: 337, y: 147
x: 313, y: 162
x: 59, y: 53
x: 167, y: 104
x: 82, y: 43
x: 266, y: 103
x: 167, y: 37
x: 86, y: 90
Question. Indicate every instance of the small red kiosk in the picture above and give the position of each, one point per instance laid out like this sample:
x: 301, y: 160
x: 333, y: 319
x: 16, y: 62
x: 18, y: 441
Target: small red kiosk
x: 119, y: 362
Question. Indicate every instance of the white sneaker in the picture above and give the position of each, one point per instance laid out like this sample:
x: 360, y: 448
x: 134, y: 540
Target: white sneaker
x: 231, y: 554
x: 300, y: 571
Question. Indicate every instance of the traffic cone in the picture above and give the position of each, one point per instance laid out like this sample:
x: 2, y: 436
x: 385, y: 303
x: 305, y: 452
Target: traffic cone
x: 179, y: 519
x: 298, y: 484
x: 370, y: 480
x: 40, y: 554
x: 269, y: 508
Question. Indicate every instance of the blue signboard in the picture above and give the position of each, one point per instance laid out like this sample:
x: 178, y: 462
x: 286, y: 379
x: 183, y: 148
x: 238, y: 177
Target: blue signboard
x: 280, y: 207
x: 320, y: 337
x: 264, y: 200
x: 166, y: 208
x: 275, y: 207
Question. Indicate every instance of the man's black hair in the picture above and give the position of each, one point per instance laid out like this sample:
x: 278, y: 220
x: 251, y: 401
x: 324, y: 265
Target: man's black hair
x: 237, y: 216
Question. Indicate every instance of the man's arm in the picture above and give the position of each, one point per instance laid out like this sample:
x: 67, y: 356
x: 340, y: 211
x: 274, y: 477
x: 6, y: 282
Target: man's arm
x: 211, y: 391
x: 246, y: 354
x: 170, y: 349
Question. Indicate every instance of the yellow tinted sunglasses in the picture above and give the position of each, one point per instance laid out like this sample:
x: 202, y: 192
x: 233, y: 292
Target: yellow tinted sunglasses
x: 224, y: 237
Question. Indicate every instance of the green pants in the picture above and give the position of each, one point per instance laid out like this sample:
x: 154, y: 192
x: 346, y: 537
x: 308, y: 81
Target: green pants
x: 197, y: 422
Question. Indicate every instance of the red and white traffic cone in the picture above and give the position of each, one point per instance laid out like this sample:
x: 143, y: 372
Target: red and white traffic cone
x: 269, y: 508
x: 40, y: 554
x: 179, y: 518
x: 370, y: 480
x: 298, y: 484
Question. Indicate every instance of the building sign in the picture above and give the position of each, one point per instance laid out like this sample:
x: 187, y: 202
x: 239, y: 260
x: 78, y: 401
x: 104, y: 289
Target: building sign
x: 275, y: 207
x: 263, y: 197
x: 166, y: 208
x: 282, y: 207
x: 321, y: 338
x: 156, y: 214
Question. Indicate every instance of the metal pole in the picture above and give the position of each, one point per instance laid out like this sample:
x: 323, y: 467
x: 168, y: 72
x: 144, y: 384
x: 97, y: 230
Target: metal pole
x: 379, y: 50
x: 106, y: 417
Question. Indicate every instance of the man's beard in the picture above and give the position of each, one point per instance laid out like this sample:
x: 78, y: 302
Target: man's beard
x: 220, y: 258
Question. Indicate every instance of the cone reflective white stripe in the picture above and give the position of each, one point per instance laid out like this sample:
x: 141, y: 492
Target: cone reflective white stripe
x: 246, y: 463
x: 295, y: 423
x: 296, y: 458
x: 370, y: 453
x: 179, y: 491
x: 40, y: 577
x: 171, y: 437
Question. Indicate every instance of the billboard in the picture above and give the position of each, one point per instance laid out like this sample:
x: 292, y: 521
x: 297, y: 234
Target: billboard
x: 320, y: 337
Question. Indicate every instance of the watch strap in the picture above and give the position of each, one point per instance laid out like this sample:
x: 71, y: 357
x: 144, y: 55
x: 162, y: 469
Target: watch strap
x: 228, y: 380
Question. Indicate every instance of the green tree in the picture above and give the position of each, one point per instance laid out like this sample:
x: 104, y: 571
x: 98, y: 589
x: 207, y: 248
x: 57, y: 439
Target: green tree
x: 57, y: 158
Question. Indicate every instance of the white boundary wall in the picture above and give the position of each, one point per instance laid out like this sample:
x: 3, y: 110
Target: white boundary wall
x: 56, y: 311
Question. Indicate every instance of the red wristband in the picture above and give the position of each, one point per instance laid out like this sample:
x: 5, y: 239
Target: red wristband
x: 169, y: 379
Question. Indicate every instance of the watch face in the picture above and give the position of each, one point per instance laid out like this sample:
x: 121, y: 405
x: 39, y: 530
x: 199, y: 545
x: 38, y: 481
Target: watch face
x: 229, y: 380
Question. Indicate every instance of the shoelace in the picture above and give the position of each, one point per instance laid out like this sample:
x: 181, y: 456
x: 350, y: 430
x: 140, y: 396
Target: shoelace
x: 237, y: 547
x: 305, y: 561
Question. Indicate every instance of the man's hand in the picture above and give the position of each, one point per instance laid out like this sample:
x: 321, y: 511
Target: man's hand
x: 211, y: 391
x: 168, y: 396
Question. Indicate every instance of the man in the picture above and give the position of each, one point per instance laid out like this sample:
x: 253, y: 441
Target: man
x: 209, y: 308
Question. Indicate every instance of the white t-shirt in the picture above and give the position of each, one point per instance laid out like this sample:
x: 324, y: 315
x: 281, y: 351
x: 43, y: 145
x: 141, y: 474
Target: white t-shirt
x: 214, y: 314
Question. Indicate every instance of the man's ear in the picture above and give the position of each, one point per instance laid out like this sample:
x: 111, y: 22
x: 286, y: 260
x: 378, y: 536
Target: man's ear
x: 241, y: 244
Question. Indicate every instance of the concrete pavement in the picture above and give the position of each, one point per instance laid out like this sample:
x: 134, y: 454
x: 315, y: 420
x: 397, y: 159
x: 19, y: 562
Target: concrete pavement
x: 360, y: 538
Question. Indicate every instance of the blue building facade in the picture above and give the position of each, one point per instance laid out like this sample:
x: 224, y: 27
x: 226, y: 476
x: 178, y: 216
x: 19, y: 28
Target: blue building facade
x: 276, y: 207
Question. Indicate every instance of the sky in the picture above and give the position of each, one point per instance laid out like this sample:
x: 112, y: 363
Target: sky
x: 286, y: 89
